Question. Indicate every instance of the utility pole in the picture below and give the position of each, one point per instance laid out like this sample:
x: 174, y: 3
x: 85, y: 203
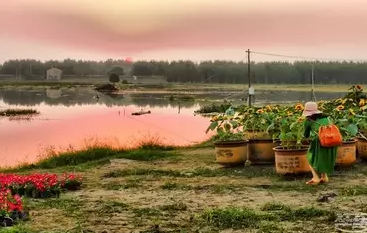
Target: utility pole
x: 312, y: 84
x: 249, y: 77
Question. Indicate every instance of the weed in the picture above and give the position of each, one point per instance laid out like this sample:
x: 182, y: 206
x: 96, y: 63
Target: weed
x: 118, y: 186
x: 273, y: 206
x: 174, y: 207
x: 237, y: 218
x: 354, y: 190
x: 146, y: 212
x: 204, y: 172
x: 110, y: 207
x: 71, y: 206
x: 231, y: 217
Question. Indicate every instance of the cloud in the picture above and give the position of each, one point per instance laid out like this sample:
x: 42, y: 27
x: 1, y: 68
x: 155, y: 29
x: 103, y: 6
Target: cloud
x: 116, y: 28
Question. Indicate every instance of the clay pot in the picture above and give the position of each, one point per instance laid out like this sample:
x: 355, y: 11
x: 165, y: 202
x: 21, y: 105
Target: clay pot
x: 347, y: 154
x: 261, y: 151
x: 229, y: 153
x: 291, y: 161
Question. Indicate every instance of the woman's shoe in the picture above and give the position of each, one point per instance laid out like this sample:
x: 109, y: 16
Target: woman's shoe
x: 312, y: 182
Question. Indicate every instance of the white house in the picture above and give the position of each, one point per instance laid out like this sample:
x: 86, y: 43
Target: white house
x: 54, y: 74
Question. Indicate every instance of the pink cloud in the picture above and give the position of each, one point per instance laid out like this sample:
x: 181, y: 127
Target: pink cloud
x: 212, y: 29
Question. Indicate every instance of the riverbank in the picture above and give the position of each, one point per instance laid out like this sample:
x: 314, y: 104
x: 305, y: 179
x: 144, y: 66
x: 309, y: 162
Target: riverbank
x: 155, y: 188
x: 175, y: 87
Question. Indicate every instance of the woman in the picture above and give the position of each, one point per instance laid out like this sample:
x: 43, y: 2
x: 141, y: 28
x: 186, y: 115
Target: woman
x: 321, y: 159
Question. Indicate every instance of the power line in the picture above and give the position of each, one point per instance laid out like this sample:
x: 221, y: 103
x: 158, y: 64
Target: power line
x: 306, y: 58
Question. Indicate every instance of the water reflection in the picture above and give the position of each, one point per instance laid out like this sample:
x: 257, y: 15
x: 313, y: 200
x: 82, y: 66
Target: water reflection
x: 85, y: 96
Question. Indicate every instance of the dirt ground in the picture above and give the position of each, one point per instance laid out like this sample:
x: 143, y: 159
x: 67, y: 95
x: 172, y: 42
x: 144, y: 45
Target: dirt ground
x: 191, y: 193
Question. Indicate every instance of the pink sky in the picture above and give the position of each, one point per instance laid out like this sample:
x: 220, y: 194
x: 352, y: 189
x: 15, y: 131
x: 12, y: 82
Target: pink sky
x: 182, y: 29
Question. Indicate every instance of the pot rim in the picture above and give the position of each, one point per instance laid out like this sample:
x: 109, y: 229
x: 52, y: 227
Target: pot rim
x: 361, y: 138
x: 262, y: 140
x: 280, y: 149
x: 234, y: 143
x: 350, y: 142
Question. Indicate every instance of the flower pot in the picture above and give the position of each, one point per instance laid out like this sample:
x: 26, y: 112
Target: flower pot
x: 261, y: 151
x: 231, y: 152
x: 291, y: 161
x: 346, y: 153
x: 362, y: 148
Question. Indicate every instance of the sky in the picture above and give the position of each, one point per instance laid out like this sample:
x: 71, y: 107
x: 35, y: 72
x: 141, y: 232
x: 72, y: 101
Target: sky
x: 182, y: 29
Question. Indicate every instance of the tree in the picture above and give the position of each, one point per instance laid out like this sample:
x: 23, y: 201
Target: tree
x: 117, y: 70
x: 114, y: 78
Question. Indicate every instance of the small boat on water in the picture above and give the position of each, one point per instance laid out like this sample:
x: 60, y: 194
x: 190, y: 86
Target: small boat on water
x: 140, y: 113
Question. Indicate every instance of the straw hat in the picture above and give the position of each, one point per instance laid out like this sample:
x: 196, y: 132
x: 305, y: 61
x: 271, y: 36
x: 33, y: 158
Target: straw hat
x: 311, y: 109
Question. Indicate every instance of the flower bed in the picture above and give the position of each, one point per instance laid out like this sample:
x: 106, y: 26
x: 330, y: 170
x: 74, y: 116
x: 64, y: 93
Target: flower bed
x: 39, y: 185
x: 14, y: 187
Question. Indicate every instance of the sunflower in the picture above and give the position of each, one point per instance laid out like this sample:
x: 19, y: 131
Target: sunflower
x: 351, y: 112
x: 344, y: 101
x: 362, y: 102
x: 338, y: 100
x: 268, y: 107
x: 299, y: 107
x: 215, y: 118
x: 359, y: 87
x: 340, y: 107
x: 300, y: 119
x: 289, y: 113
x: 260, y: 110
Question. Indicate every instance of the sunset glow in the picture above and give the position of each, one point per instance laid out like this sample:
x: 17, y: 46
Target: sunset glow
x: 166, y: 29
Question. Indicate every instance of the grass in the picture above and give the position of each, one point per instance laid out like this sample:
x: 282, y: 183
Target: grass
x: 18, y: 112
x: 248, y: 172
x: 183, y: 190
x: 242, y: 218
x: 95, y: 156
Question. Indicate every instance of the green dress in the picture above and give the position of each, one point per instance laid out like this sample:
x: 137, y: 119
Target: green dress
x: 320, y: 158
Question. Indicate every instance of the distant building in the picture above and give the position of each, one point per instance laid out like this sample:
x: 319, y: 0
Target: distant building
x: 54, y: 74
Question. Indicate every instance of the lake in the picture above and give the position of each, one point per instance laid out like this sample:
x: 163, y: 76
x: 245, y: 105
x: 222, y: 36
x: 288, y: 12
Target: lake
x: 79, y: 116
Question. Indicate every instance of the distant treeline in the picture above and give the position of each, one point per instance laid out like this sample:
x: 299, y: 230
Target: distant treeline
x: 206, y: 71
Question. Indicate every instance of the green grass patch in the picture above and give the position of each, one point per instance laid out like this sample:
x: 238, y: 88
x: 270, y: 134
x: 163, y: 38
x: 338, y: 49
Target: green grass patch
x: 20, y: 228
x: 232, y: 217
x: 110, y: 207
x: 215, y: 188
x: 71, y: 206
x: 93, y: 157
x: 273, y: 206
x: 272, y: 213
x: 353, y: 190
x: 247, y: 172
x: 118, y: 186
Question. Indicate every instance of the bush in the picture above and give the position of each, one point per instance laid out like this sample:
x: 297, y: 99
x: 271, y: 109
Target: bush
x: 124, y: 81
x: 114, y: 78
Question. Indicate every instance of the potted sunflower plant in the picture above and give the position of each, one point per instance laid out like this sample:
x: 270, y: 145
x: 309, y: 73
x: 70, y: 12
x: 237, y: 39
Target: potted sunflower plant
x: 291, y: 154
x: 347, y: 122
x: 255, y: 122
x: 230, y: 145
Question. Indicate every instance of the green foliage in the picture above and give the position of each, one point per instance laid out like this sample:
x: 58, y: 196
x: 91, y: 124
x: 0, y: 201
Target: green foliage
x: 17, y: 112
x: 218, y: 108
x: 207, y: 71
x: 114, y: 78
x: 228, y: 136
x: 117, y: 70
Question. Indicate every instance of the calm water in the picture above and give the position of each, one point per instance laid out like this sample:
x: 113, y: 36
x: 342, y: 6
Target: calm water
x: 77, y: 116
x: 72, y: 117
